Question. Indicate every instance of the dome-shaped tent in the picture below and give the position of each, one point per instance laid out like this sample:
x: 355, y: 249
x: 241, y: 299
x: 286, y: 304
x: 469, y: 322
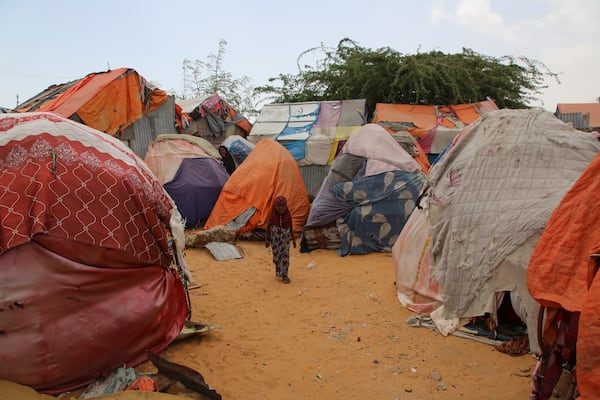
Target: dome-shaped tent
x: 189, y: 169
x: 85, y: 257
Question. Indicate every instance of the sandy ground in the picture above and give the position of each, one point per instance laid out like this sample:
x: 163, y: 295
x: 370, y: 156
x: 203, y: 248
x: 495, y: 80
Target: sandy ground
x: 336, y: 332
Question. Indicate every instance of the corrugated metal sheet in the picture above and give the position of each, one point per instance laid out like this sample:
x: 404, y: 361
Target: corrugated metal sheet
x: 313, y: 176
x: 146, y: 129
x: 579, y: 120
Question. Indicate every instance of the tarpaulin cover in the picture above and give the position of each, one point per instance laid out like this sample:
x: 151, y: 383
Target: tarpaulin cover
x: 563, y: 271
x: 495, y: 188
x: 269, y: 171
x: 196, y: 188
x: 107, y: 101
x: 238, y: 147
x: 311, y: 131
x: 487, y: 201
x: 423, y: 121
x: 84, y: 255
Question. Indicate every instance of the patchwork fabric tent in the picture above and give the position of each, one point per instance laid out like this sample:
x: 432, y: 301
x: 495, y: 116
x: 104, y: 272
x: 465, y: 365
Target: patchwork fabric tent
x: 372, y: 187
x: 118, y: 102
x: 89, y: 278
x: 487, y: 201
x: 314, y: 132
x: 212, y: 119
x: 563, y: 277
x: 433, y: 125
x: 269, y: 171
x: 191, y: 172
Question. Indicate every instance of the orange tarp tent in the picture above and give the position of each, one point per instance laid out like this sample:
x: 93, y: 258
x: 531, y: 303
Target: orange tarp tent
x: 562, y: 274
x: 107, y: 101
x: 267, y: 172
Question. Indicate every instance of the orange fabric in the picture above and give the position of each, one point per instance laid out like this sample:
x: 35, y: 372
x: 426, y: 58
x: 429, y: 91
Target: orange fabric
x: 157, y: 98
x: 69, y: 102
x: 426, y: 117
x: 562, y: 272
x: 269, y: 171
x: 422, y: 159
x: 107, y: 101
x: 422, y: 116
x: 588, y: 345
x: 115, y: 107
x: 143, y: 383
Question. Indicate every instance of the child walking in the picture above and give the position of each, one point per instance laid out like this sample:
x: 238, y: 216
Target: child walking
x: 279, y: 233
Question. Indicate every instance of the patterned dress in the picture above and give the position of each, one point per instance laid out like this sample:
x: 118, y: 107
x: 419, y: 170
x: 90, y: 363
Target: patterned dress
x: 280, y: 245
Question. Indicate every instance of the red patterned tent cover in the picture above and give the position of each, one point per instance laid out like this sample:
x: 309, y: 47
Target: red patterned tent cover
x: 85, y: 259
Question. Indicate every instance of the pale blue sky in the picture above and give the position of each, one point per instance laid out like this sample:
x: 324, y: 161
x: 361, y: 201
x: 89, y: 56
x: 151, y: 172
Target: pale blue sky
x: 48, y: 42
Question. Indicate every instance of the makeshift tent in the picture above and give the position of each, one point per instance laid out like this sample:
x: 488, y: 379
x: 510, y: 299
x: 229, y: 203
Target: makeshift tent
x: 212, y: 119
x: 269, y: 171
x: 87, y: 262
x: 563, y: 277
x: 189, y: 169
x: 487, y: 201
x: 120, y: 103
x: 372, y: 187
x: 433, y: 125
x: 314, y: 131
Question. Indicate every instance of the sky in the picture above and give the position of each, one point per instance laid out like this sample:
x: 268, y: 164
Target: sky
x: 51, y: 42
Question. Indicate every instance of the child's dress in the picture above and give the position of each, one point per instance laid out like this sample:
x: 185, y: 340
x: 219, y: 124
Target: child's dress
x: 280, y: 245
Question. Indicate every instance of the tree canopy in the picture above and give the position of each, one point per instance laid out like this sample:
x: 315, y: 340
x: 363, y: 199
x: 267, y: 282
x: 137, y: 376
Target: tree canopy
x: 350, y: 71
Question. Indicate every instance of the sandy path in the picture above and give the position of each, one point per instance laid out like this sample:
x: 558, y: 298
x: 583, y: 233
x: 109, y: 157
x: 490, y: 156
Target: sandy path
x: 336, y: 332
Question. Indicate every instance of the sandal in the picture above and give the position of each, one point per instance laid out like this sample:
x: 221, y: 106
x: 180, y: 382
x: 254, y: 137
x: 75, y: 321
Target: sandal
x: 286, y: 279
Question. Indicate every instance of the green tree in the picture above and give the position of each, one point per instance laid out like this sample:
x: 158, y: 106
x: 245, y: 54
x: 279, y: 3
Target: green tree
x: 350, y: 71
x: 203, y: 78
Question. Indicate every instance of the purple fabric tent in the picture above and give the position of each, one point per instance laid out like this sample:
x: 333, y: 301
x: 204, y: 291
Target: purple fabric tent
x: 196, y: 187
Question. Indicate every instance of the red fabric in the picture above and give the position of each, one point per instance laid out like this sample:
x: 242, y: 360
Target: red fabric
x: 86, y: 280
x: 76, y: 190
x: 282, y: 220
